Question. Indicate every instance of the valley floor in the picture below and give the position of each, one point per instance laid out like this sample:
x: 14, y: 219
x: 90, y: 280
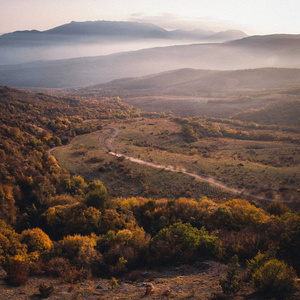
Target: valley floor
x: 148, y: 154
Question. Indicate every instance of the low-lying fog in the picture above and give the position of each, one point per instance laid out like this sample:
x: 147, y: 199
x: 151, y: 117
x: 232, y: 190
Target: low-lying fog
x: 16, y: 55
x: 277, y: 51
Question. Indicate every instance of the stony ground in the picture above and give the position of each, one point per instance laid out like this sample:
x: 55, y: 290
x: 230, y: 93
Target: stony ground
x: 198, y: 282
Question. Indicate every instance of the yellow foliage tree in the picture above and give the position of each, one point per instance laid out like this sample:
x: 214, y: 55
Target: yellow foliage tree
x: 245, y: 214
x: 36, y: 240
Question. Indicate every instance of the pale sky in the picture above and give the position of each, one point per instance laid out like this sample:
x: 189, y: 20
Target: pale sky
x: 251, y: 16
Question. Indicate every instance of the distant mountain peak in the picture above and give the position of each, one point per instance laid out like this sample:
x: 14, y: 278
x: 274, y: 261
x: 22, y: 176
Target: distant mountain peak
x: 108, y: 28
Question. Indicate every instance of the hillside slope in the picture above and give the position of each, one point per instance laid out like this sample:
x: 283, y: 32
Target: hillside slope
x: 279, y: 113
x: 187, y: 81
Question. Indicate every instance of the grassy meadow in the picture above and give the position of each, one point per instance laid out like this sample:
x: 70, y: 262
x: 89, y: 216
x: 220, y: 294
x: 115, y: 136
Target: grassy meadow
x: 268, y: 169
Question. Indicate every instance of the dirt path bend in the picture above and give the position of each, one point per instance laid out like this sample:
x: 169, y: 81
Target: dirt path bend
x: 107, y: 139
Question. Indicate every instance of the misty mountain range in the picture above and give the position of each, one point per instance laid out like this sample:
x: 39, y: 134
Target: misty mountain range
x: 246, y: 53
x: 98, y: 31
x: 275, y: 51
x: 79, y: 39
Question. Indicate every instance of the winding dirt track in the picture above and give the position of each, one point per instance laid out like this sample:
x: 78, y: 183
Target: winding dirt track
x: 106, y: 140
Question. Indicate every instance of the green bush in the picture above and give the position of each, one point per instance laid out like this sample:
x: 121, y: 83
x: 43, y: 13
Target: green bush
x: 289, y: 246
x: 232, y: 283
x: 274, y: 278
x: 98, y: 195
x: 182, y: 243
x: 260, y: 259
x: 221, y: 218
x: 277, y: 208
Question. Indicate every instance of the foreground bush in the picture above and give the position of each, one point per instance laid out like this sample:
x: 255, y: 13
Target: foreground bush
x: 183, y: 243
x: 71, y: 247
x: 232, y: 283
x: 290, y: 244
x: 13, y: 253
x: 70, y: 219
x: 277, y: 208
x: 98, y: 195
x: 244, y: 214
x: 17, y: 272
x: 36, y: 240
x: 122, y: 251
x: 80, y: 252
x: 274, y: 278
x: 61, y: 267
x: 260, y: 259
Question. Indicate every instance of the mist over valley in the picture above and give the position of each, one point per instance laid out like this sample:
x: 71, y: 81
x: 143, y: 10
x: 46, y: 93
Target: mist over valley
x: 279, y: 51
x: 79, y: 39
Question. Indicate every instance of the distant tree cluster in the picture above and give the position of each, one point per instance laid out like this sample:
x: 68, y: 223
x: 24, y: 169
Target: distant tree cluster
x: 197, y: 128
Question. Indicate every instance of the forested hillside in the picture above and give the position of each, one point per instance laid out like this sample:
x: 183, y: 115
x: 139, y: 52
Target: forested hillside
x: 31, y: 124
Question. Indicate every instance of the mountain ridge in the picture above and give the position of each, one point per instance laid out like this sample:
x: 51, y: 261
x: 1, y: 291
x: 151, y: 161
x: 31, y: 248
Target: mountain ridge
x: 119, y: 28
x: 94, y: 38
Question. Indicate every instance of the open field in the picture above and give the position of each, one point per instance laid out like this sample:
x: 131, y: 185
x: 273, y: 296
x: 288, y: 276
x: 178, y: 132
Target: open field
x: 268, y: 169
x: 85, y: 156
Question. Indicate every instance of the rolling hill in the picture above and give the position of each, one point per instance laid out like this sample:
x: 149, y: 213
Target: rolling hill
x: 243, y: 54
x: 191, y: 81
x: 244, y: 94
x: 279, y: 113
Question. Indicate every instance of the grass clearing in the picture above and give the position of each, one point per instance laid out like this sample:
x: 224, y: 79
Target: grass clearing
x: 266, y: 168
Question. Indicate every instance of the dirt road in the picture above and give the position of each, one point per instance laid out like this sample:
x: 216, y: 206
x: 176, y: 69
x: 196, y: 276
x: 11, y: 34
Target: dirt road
x: 106, y: 140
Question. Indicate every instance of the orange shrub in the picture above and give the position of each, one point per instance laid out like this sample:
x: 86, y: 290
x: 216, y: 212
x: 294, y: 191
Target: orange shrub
x: 117, y: 220
x: 245, y: 214
x: 76, y: 218
x: 10, y: 245
x: 8, y: 210
x: 70, y: 246
x: 36, y: 240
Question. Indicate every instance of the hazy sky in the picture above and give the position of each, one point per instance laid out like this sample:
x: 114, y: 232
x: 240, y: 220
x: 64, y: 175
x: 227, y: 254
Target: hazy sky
x: 252, y: 16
